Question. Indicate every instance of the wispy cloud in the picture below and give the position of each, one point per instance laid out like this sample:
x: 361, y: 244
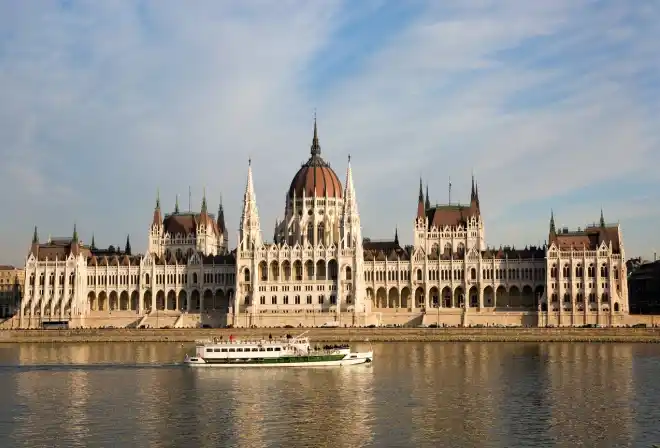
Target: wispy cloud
x: 104, y: 102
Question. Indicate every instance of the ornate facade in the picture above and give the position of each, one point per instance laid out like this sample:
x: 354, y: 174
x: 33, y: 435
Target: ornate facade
x: 319, y: 268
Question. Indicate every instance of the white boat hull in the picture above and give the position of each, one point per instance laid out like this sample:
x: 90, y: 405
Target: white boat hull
x: 349, y: 360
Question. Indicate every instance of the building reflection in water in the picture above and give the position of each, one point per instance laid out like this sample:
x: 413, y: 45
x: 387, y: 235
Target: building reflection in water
x: 324, y: 407
x: 436, y: 394
x: 442, y: 376
x: 591, y: 391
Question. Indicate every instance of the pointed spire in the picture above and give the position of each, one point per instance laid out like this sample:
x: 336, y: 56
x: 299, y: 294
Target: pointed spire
x: 176, y: 204
x: 553, y: 229
x: 127, y: 249
x: 602, y: 218
x: 75, y: 233
x: 473, y: 195
x: 250, y: 229
x: 396, y: 235
x: 157, y: 219
x: 427, y: 202
x: 35, y: 236
x: 221, y: 216
x: 421, y: 210
x: 204, y: 209
x: 315, y: 149
x: 93, y: 244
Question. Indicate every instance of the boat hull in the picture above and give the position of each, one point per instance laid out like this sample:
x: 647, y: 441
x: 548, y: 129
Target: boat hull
x: 322, y: 361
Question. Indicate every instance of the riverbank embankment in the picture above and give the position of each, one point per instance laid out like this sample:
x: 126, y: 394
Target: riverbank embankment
x: 645, y: 335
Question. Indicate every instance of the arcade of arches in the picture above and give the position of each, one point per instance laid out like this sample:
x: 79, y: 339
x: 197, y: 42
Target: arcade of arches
x: 500, y: 298
x: 219, y: 300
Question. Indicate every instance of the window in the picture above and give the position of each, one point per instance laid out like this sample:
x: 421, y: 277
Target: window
x: 262, y: 300
x: 297, y: 300
x: 285, y: 300
x: 273, y: 300
x: 309, y: 300
x: 321, y: 299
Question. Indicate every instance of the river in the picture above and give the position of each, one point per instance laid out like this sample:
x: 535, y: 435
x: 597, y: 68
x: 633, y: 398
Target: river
x: 413, y: 395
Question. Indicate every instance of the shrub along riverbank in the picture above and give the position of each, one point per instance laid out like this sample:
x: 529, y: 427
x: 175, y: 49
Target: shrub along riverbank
x: 649, y: 335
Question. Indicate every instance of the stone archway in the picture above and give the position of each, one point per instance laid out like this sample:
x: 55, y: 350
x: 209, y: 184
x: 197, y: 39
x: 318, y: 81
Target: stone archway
x: 135, y: 298
x: 420, y: 298
x: 405, y: 298
x: 148, y: 301
x: 183, y: 300
x: 489, y: 297
x: 514, y: 297
x: 434, y: 296
x: 446, y: 297
x: 459, y: 297
x: 393, y: 298
x: 114, y: 301
x: 194, y: 300
x: 160, y: 300
x: 102, y: 301
x: 171, y: 300
x: 220, y: 301
x: 123, y: 301
x: 527, y: 299
x: 91, y: 299
x: 208, y: 300
x: 501, y: 298
x: 473, y: 297
x: 381, y: 298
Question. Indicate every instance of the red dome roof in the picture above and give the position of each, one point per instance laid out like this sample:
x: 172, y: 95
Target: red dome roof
x: 315, y: 178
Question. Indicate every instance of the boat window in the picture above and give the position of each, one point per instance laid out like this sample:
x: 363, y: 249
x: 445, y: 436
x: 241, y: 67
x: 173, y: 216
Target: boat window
x: 232, y: 349
x: 255, y: 349
x: 216, y: 349
x: 277, y: 349
x: 239, y: 349
x: 224, y: 350
x: 261, y: 349
x: 209, y: 350
x: 269, y: 349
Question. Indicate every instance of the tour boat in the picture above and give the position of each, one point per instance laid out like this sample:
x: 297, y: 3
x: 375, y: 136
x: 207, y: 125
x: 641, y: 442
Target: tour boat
x: 291, y: 351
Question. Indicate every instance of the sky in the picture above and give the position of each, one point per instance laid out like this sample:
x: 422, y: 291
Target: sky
x: 551, y: 104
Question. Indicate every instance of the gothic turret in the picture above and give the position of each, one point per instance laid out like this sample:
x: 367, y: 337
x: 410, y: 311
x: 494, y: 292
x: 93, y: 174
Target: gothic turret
x: 250, y: 229
x: 421, y: 209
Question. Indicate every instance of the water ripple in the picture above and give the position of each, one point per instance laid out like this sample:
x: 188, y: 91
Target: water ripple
x: 422, y: 395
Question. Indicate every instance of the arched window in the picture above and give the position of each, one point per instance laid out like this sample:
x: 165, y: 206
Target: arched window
x: 246, y: 274
x: 473, y: 274
x: 419, y: 275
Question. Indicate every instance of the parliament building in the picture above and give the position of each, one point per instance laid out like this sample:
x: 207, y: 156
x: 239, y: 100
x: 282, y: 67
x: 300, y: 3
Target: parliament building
x: 319, y: 268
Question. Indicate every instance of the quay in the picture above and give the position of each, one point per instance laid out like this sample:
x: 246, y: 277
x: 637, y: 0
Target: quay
x: 569, y: 334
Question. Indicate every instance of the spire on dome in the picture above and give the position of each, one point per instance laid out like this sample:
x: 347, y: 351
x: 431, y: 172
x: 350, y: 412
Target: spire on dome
x: 75, y: 233
x: 176, y: 204
x: 427, y: 202
x: 315, y: 149
x: 35, y: 236
x: 93, y: 244
x: 127, y: 249
x: 602, y: 218
x: 396, y: 235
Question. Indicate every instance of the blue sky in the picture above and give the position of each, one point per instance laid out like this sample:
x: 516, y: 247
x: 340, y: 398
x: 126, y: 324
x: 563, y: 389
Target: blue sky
x: 551, y: 103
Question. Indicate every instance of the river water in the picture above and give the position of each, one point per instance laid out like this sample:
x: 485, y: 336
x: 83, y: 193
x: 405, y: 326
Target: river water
x: 413, y: 395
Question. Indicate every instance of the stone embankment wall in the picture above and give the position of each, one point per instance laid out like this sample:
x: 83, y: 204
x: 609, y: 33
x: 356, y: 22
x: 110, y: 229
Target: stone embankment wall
x: 342, y: 335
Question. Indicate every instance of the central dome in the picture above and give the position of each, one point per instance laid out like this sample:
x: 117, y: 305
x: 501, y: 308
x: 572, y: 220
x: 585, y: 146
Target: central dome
x: 315, y: 178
